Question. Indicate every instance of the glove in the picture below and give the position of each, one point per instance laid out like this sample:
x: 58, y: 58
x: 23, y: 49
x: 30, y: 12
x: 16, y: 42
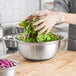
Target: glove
x: 48, y: 20
x: 42, y: 13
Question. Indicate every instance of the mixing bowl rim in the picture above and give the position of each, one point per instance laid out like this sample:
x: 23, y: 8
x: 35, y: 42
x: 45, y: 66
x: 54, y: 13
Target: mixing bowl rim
x: 38, y: 43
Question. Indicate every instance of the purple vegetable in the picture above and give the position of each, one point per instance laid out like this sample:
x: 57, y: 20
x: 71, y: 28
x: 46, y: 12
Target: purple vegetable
x: 4, y: 63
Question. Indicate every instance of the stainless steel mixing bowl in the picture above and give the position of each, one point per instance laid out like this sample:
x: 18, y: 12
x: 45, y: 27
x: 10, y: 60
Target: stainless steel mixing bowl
x: 10, y: 41
x: 9, y: 71
x: 38, y: 51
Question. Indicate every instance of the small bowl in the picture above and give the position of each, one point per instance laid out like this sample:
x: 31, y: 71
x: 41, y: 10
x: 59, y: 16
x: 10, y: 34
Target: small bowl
x: 9, y: 71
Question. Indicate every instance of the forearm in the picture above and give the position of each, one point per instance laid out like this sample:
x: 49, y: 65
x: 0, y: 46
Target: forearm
x: 70, y: 18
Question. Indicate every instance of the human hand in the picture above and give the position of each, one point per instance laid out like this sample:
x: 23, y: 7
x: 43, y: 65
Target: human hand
x: 48, y: 20
x: 42, y: 12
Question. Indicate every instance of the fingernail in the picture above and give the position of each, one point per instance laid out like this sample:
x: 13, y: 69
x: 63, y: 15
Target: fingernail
x: 34, y: 23
x: 35, y: 29
x: 46, y: 33
x: 39, y: 33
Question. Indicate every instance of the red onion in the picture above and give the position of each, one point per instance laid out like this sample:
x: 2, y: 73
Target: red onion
x: 5, y: 63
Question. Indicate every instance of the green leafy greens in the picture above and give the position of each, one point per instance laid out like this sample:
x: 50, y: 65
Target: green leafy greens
x: 30, y: 35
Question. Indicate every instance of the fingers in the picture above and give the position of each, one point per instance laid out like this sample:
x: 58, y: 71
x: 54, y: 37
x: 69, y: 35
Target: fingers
x: 48, y: 30
x: 43, y: 30
x: 42, y: 17
x: 39, y: 21
x: 40, y: 13
x: 40, y: 26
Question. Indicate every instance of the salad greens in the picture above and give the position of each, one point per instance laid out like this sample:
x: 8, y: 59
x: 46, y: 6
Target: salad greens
x: 30, y: 35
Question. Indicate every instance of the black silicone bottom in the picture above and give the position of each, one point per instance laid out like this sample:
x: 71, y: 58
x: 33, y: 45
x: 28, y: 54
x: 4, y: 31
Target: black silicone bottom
x: 37, y: 60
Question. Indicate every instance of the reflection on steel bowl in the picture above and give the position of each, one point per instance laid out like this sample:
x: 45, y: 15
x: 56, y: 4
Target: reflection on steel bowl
x: 38, y: 51
x: 10, y: 41
x: 19, y: 30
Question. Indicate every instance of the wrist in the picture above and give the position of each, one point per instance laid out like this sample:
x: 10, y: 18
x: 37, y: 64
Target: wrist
x: 60, y: 17
x: 66, y: 16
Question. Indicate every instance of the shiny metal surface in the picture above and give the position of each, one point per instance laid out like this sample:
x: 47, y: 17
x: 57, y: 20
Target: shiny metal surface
x: 10, y: 41
x: 19, y: 30
x: 38, y: 51
x: 9, y: 71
